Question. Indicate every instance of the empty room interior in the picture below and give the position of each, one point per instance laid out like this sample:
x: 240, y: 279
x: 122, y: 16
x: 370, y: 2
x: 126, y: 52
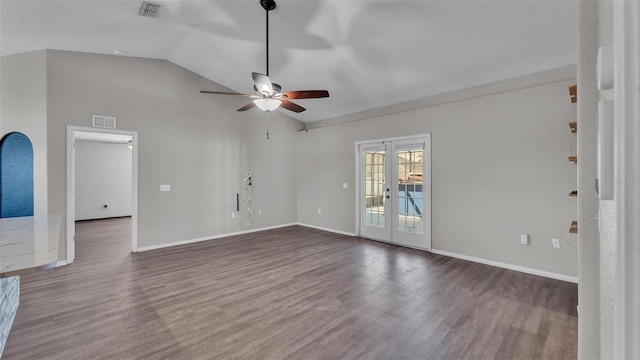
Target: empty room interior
x: 259, y: 179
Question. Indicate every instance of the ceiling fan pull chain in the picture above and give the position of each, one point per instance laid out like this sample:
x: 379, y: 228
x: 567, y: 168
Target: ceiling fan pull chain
x: 268, y: 124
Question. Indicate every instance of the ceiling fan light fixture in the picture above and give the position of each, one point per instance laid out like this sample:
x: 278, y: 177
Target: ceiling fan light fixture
x: 267, y: 104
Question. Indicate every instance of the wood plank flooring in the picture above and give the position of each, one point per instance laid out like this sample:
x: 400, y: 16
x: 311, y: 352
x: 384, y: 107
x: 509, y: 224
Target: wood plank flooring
x: 290, y: 293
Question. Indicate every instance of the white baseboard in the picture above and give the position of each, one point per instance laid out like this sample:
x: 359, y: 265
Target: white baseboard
x: 327, y: 229
x: 61, y: 263
x: 212, y: 237
x: 524, y: 269
x: 519, y: 268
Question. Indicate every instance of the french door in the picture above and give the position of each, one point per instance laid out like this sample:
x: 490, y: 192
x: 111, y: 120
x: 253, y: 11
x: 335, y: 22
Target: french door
x: 394, y: 191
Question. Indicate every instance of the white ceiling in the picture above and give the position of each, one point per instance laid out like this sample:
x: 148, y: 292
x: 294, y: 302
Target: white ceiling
x: 367, y: 53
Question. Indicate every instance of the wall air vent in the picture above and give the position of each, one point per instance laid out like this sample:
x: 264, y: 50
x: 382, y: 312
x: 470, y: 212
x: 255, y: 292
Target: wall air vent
x: 106, y: 122
x: 149, y: 9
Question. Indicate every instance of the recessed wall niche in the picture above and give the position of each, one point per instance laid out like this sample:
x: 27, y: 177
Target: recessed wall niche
x: 16, y: 176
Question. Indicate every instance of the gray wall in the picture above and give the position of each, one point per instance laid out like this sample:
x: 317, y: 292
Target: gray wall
x: 195, y: 142
x: 23, y: 108
x: 499, y: 168
x: 103, y: 176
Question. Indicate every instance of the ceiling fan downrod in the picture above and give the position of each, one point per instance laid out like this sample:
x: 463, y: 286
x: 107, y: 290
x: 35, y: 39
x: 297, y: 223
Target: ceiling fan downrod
x: 268, y: 5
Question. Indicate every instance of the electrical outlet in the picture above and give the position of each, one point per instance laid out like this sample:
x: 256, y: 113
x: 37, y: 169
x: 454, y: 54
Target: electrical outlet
x: 555, y: 243
x: 319, y: 211
x: 233, y: 214
x: 524, y: 239
x: 247, y: 224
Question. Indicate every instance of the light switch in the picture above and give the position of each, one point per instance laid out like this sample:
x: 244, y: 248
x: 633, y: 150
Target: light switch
x: 165, y: 187
x: 345, y: 185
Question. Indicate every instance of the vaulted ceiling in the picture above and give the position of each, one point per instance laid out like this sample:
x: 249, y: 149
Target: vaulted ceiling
x: 367, y: 53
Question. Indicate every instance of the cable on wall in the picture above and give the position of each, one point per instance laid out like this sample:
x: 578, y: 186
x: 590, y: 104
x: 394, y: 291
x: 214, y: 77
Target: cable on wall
x: 249, y: 199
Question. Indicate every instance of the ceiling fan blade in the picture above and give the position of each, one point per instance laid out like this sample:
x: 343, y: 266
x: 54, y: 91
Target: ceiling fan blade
x: 263, y: 84
x: 305, y: 94
x: 247, y: 107
x: 291, y: 106
x: 222, y: 93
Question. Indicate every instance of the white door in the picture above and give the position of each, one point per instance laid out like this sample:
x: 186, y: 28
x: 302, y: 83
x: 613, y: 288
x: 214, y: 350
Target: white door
x: 394, y: 202
x: 375, y: 206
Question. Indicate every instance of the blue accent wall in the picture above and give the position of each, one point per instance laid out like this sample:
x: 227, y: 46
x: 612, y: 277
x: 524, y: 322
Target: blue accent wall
x: 16, y: 176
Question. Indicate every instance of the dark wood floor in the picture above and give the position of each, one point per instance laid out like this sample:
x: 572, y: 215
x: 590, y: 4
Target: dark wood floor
x: 290, y: 293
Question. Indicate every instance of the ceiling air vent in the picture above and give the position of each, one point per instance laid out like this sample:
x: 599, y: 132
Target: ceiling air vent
x: 101, y: 121
x: 149, y: 9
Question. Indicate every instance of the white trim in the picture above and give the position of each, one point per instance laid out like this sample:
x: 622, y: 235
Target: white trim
x: 626, y: 40
x: 499, y: 87
x: 134, y: 192
x: 519, y: 268
x: 70, y: 201
x: 357, y: 189
x: 395, y: 138
x: 61, y: 263
x: 346, y: 233
x: 212, y: 237
x: 524, y: 269
x: 396, y: 244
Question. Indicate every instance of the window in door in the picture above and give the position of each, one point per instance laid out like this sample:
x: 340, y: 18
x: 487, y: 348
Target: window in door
x: 374, y: 201
x: 410, y: 185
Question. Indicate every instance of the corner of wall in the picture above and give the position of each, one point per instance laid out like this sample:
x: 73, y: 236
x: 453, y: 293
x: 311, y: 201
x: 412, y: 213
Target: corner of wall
x: 589, y: 291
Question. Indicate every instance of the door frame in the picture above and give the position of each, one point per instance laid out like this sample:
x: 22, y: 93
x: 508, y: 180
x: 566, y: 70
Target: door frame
x: 426, y: 175
x: 72, y: 131
x: 626, y: 20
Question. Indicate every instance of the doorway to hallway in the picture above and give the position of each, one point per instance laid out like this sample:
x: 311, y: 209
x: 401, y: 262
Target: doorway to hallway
x: 127, y: 140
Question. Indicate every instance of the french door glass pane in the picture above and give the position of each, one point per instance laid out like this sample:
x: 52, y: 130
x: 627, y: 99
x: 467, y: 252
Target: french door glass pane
x: 374, y: 188
x: 410, y: 196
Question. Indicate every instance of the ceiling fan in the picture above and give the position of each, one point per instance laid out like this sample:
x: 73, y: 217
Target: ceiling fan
x: 269, y: 96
